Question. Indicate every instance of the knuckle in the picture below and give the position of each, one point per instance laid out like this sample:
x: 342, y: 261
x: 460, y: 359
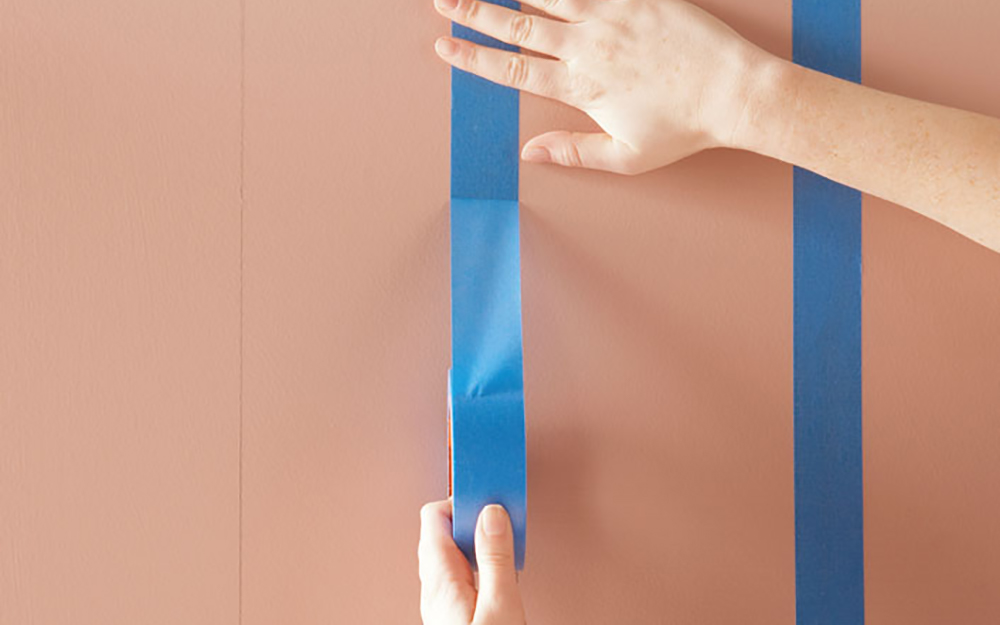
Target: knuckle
x: 425, y: 572
x: 571, y: 154
x: 517, y: 70
x: 623, y: 25
x: 583, y: 90
x: 549, y: 5
x: 471, y: 9
x: 521, y: 29
x: 605, y: 49
x: 498, y: 560
x: 427, y: 510
x: 425, y: 557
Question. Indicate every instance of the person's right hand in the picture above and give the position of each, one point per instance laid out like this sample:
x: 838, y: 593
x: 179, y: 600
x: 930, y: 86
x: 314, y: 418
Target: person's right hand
x: 448, y: 594
x: 662, y: 78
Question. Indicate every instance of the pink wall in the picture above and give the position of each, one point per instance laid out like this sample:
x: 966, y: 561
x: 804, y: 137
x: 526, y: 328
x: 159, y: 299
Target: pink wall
x: 224, y: 344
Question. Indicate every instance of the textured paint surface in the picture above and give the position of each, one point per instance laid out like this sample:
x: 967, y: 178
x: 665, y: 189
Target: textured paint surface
x: 931, y: 348
x: 657, y: 328
x: 119, y: 312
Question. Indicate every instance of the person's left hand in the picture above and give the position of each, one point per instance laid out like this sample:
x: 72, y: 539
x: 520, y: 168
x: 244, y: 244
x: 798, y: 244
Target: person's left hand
x: 448, y: 592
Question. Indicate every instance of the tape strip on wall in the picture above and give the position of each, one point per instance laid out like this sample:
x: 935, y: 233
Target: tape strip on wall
x: 485, y: 383
x: 829, y: 551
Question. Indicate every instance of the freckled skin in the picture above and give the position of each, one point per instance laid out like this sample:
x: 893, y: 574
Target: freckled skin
x: 923, y: 156
x: 665, y: 79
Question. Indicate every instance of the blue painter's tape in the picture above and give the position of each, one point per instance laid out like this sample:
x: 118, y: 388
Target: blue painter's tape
x: 488, y: 464
x: 829, y: 523
x: 484, y: 129
x: 486, y: 387
x: 486, y: 382
x: 486, y: 352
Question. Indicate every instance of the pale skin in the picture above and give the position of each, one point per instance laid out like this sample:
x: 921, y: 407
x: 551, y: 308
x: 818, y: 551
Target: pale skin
x: 664, y: 80
x: 449, y: 594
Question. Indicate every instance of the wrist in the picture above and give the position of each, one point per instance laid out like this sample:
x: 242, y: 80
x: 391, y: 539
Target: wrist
x: 761, y: 98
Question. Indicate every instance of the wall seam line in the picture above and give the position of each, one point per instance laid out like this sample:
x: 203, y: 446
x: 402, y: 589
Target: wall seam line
x: 242, y: 133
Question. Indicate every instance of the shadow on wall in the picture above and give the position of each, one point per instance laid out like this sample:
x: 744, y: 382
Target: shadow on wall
x: 649, y: 493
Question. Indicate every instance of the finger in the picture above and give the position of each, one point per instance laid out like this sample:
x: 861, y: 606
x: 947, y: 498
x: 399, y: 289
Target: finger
x: 441, y: 561
x: 439, y: 556
x: 570, y: 10
x: 447, y: 589
x: 513, y: 27
x: 580, y: 149
x: 498, y: 593
x: 542, y: 77
x: 435, y: 522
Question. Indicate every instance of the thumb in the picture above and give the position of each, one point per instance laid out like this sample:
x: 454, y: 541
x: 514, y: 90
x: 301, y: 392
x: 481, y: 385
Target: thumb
x: 499, y: 599
x: 593, y: 150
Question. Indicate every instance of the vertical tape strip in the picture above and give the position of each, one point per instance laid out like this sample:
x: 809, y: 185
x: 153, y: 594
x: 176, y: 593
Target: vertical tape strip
x: 829, y: 546
x: 485, y: 384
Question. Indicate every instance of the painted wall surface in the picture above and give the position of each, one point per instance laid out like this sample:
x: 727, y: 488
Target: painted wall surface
x: 224, y: 334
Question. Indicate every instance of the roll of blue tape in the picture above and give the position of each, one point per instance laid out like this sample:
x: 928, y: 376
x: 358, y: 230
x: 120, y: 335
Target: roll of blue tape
x: 485, y: 383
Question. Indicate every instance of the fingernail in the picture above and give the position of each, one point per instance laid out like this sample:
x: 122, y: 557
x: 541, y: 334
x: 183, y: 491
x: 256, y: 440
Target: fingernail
x: 447, y: 5
x: 445, y: 46
x: 538, y: 155
x: 494, y: 520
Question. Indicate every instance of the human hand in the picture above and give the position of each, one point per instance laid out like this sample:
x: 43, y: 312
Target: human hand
x: 662, y: 78
x: 448, y: 592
